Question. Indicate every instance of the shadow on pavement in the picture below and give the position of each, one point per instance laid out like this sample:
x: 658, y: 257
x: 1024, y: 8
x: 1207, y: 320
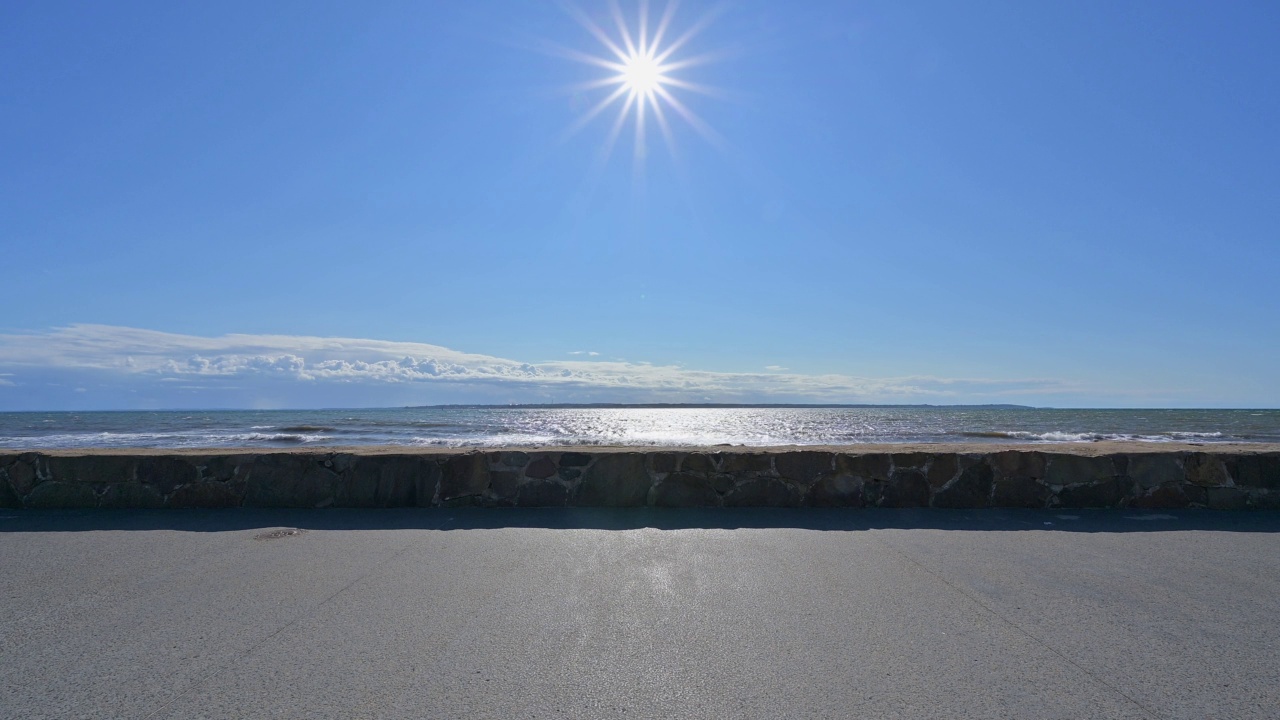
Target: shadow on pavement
x: 831, y: 520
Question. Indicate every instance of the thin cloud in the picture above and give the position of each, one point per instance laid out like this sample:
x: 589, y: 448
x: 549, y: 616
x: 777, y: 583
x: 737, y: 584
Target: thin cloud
x: 150, y: 359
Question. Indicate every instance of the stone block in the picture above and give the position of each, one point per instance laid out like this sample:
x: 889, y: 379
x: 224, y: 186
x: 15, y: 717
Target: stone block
x: 905, y: 489
x: 463, y: 475
x: 542, y: 493
x: 1064, y: 469
x: 663, y: 462
x: 22, y: 477
x: 1152, y: 470
x: 868, y: 466
x: 685, y: 490
x: 1206, y: 470
x: 342, y: 462
x: 91, y: 469
x: 1260, y: 499
x: 541, y: 468
x: 362, y: 484
x: 910, y: 461
x: 574, y: 459
x: 1121, y: 463
x: 763, y: 492
x: 220, y: 467
x: 285, y: 480
x: 1227, y: 498
x: 56, y: 494
x: 1196, y: 495
x: 426, y: 482
x: 943, y: 468
x: 389, y: 481
x: 1164, y: 497
x: 1020, y: 491
x: 317, y: 488
x: 8, y: 498
x: 503, y: 484
x: 1109, y: 492
x: 698, y: 463
x: 490, y: 501
x: 723, y: 482
x: 166, y: 473
x: 736, y: 463
x: 837, y: 491
x: 1018, y: 463
x: 1018, y: 475
x: 1256, y: 471
x: 131, y: 495
x: 972, y: 489
x: 803, y: 467
x: 208, y: 494
x: 514, y: 459
x: 617, y: 480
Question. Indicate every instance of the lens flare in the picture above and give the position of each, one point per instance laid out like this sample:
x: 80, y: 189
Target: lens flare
x: 641, y: 80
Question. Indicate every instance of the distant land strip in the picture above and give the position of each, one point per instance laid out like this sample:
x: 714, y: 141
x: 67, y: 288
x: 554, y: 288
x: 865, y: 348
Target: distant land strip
x: 706, y: 406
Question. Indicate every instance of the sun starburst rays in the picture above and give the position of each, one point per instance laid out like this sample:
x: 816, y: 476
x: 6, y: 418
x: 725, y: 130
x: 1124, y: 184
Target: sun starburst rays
x: 641, y: 66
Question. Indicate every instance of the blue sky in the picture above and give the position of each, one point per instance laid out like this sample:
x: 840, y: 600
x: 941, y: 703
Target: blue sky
x: 882, y: 202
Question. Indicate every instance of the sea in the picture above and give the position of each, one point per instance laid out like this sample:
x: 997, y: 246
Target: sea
x: 630, y: 426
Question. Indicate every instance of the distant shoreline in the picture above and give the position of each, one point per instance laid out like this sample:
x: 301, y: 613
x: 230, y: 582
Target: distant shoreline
x: 710, y: 406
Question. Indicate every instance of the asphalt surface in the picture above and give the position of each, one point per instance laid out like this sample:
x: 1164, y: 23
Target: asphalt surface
x: 641, y: 613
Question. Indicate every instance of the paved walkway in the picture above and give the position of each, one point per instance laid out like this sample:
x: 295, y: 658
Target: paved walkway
x: 603, y: 614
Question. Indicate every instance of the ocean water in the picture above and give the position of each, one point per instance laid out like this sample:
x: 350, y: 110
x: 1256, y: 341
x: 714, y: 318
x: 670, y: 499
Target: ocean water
x: 490, y: 427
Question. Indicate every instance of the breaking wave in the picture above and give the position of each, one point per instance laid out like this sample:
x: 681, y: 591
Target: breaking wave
x: 1057, y: 436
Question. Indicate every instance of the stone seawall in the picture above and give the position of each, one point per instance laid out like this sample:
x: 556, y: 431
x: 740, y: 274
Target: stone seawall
x: 920, y: 476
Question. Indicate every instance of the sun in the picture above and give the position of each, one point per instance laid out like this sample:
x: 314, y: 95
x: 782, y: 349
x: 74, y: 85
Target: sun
x: 641, y: 75
x: 643, y: 65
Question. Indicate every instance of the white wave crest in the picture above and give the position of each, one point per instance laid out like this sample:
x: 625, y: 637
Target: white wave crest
x: 1058, y: 436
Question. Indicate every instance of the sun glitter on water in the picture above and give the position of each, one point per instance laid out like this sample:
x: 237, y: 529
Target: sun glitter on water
x: 641, y: 80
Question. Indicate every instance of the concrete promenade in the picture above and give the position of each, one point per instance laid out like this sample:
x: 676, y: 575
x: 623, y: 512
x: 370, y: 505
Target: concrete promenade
x: 639, y: 613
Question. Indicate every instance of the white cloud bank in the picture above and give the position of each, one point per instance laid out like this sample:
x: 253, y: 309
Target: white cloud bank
x: 302, y: 371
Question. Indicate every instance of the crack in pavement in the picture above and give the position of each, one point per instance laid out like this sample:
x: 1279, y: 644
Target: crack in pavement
x: 1021, y: 630
x: 310, y: 612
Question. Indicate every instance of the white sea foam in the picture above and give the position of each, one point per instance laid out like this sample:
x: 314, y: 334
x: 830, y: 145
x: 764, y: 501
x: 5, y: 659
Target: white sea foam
x: 275, y: 437
x: 160, y: 440
x: 1058, y: 436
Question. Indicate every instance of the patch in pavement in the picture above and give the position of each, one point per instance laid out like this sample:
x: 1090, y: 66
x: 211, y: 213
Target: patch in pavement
x: 278, y: 534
